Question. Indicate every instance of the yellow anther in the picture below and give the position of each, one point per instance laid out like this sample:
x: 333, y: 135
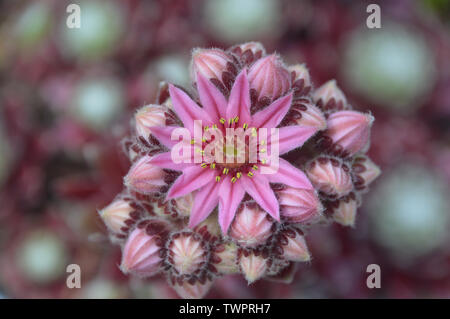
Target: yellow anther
x: 238, y: 174
x: 230, y: 121
x: 192, y: 141
x: 233, y: 180
x: 245, y: 126
x: 263, y: 150
x: 213, y: 165
x: 236, y: 119
x: 250, y: 174
x: 263, y: 161
x: 204, y: 140
x: 214, y: 126
x: 254, y: 132
x: 255, y: 167
x: 225, y: 170
x: 204, y: 165
x: 206, y: 128
x: 222, y: 120
x: 217, y: 178
x: 263, y: 142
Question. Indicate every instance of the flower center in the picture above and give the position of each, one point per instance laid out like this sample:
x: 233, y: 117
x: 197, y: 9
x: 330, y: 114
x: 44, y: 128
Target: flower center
x: 236, y: 160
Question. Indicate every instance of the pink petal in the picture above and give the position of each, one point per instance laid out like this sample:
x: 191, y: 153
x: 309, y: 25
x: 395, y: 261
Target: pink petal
x: 239, y: 100
x: 206, y: 199
x: 187, y: 110
x: 258, y: 187
x: 163, y: 134
x: 289, y: 175
x: 231, y: 195
x: 291, y: 137
x: 192, y: 178
x: 164, y: 160
x: 213, y: 101
x: 272, y: 115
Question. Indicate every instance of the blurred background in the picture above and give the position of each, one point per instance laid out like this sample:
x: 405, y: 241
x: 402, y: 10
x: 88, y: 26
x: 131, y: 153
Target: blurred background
x: 67, y: 97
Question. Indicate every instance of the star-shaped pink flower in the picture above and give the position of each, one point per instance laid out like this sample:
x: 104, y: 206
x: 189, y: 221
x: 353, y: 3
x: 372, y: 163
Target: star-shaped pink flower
x: 219, y: 184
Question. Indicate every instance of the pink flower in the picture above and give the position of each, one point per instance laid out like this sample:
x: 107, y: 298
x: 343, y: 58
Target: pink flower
x: 226, y: 184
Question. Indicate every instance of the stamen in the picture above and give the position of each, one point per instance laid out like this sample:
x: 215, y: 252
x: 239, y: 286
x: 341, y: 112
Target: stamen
x: 245, y: 126
x: 250, y: 174
x: 255, y: 167
x: 206, y: 128
x: 230, y: 121
x: 212, y: 166
x: 225, y: 170
x: 263, y: 142
x: 193, y: 141
x: 263, y: 150
x: 263, y: 161
x: 222, y: 120
x: 204, y: 140
x: 217, y: 178
x: 233, y: 180
x: 254, y: 132
x: 214, y: 126
x: 236, y: 119
x: 204, y: 165
x: 238, y: 174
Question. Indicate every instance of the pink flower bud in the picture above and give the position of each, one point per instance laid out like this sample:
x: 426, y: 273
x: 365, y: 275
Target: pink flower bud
x: 118, y: 215
x: 141, y: 254
x: 301, y: 80
x: 249, y: 52
x: 179, y: 207
x: 299, y: 205
x: 209, y: 228
x: 294, y: 246
x: 251, y: 226
x: 330, y: 176
x: 345, y: 213
x: 187, y: 252
x: 214, y: 64
x: 365, y: 172
x: 304, y: 113
x: 269, y: 78
x: 144, y: 177
x: 350, y: 130
x: 330, y: 97
x: 252, y: 266
x: 225, y: 258
x: 192, y: 290
x: 148, y: 117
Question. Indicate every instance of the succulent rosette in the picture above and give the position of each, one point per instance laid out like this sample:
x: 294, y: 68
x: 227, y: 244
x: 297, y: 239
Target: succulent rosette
x: 189, y: 212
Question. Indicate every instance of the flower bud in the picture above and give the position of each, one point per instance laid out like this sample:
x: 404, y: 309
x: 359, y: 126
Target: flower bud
x: 249, y: 52
x: 365, y: 172
x: 179, y: 207
x: 148, y: 117
x: 330, y: 176
x: 215, y: 65
x: 299, y: 205
x: 118, y: 216
x: 251, y: 226
x: 330, y: 97
x: 192, y: 290
x: 350, y: 130
x: 268, y: 78
x: 225, y: 258
x: 141, y: 254
x: 209, y: 228
x: 187, y: 252
x: 304, y: 113
x: 294, y: 246
x: 345, y: 212
x: 252, y: 266
x: 144, y: 177
x: 301, y: 80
